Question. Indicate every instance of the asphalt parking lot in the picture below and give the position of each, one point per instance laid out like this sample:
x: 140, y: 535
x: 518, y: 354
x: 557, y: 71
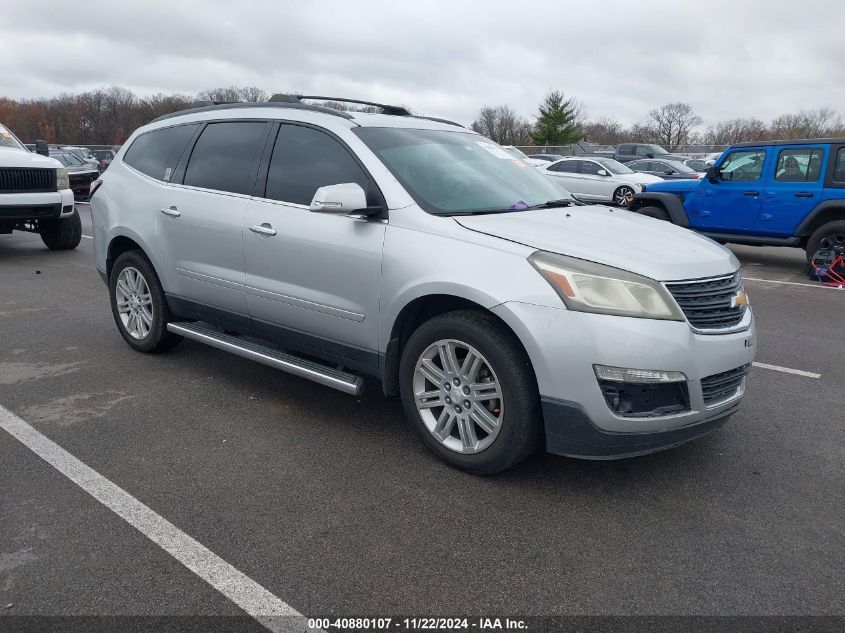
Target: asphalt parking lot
x: 331, y: 504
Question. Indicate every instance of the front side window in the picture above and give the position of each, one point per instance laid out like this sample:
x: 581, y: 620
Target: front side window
x: 450, y: 172
x: 745, y: 165
x: 226, y: 155
x: 799, y: 165
x: 589, y: 168
x: 156, y: 153
x: 305, y: 159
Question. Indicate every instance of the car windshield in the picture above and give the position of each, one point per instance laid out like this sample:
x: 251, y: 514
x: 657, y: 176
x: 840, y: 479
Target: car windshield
x: 614, y: 166
x: 697, y: 165
x: 68, y: 159
x: 518, y: 153
x: 102, y: 154
x: 459, y: 172
x: 681, y: 168
x: 657, y: 150
x: 7, y: 139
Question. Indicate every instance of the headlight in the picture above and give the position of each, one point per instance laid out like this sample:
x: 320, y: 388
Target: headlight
x: 62, y: 181
x: 589, y: 287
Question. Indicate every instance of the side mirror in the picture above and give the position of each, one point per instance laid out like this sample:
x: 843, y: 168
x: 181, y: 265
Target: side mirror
x: 649, y: 154
x: 42, y: 148
x: 712, y: 174
x: 347, y: 198
x: 669, y: 172
x: 602, y: 172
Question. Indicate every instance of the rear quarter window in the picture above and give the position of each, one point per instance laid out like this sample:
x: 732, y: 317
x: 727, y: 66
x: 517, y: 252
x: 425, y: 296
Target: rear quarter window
x: 156, y: 153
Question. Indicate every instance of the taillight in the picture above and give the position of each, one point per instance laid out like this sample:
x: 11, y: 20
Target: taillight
x: 94, y: 186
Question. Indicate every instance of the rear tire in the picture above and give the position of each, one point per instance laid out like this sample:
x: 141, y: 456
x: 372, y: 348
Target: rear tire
x: 655, y: 212
x: 502, y: 423
x: 61, y: 234
x: 138, y: 304
x: 826, y: 237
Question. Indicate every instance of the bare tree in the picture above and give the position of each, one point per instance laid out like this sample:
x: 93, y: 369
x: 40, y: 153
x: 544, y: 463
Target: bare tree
x: 807, y: 124
x: 606, y: 131
x: 671, y: 125
x: 502, y: 125
x: 735, y: 131
x: 249, y: 94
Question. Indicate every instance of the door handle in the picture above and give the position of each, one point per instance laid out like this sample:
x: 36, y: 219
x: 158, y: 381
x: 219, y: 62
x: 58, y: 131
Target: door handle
x: 753, y: 194
x: 263, y: 229
x: 172, y: 211
x: 803, y: 194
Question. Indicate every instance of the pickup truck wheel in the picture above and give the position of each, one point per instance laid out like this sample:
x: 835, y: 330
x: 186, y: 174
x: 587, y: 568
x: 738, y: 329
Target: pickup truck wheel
x: 469, y: 391
x: 655, y: 212
x: 621, y: 195
x: 61, y: 234
x: 826, y: 237
x: 138, y: 304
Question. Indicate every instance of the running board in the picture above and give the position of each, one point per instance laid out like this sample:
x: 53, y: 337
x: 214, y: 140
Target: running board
x: 204, y: 333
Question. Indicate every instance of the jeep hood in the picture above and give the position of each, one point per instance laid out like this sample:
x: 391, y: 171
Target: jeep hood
x: 676, y: 186
x: 614, y: 237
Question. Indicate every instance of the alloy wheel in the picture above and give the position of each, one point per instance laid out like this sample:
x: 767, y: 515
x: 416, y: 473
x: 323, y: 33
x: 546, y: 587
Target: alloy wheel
x: 622, y: 195
x: 458, y: 396
x: 134, y: 303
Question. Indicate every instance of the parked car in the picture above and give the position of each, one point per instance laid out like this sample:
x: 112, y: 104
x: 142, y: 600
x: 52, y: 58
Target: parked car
x: 696, y: 164
x: 776, y: 193
x: 632, y: 151
x: 518, y: 153
x: 598, y: 179
x: 664, y: 169
x: 418, y: 252
x: 711, y: 158
x: 84, y: 154
x: 80, y: 174
x: 545, y: 158
x: 104, y: 157
x: 35, y: 195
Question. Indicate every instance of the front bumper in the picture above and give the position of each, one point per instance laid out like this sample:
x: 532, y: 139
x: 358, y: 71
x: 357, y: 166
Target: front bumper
x: 17, y: 207
x: 564, y: 346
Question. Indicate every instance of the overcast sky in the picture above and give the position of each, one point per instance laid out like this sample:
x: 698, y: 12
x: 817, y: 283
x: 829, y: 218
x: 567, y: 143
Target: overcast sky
x: 620, y: 58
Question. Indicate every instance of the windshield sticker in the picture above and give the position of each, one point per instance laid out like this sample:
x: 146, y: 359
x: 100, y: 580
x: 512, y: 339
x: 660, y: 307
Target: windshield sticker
x: 494, y: 149
x: 167, y: 173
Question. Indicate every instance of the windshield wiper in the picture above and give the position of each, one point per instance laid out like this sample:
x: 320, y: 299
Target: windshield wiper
x: 561, y: 202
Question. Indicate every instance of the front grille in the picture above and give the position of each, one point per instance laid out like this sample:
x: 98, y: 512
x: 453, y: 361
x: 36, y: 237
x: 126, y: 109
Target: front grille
x: 720, y: 387
x: 709, y: 303
x: 27, y: 180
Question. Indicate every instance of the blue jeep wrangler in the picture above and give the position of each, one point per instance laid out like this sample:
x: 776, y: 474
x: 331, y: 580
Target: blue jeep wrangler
x: 774, y: 193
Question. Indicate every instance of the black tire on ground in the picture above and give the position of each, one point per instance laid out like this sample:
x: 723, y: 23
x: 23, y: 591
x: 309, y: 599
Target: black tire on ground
x: 826, y: 236
x: 655, y: 212
x: 521, y: 428
x: 61, y: 234
x: 158, y: 339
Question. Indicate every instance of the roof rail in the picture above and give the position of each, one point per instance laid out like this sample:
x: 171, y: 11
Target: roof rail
x: 434, y: 118
x: 209, y: 106
x: 385, y: 109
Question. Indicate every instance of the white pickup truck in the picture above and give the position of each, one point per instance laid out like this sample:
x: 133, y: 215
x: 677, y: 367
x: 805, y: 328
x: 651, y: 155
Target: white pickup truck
x: 35, y: 194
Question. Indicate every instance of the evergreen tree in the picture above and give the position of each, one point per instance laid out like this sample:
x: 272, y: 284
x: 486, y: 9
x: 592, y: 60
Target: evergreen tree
x: 558, y: 121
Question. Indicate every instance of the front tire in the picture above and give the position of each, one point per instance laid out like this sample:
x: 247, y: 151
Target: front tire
x: 138, y: 304
x: 621, y: 195
x: 62, y: 234
x: 654, y: 212
x: 469, y: 391
x: 827, y: 236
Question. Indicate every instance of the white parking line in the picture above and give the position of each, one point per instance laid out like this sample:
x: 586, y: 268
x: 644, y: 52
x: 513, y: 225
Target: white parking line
x: 259, y: 603
x: 787, y: 370
x: 88, y: 237
x: 789, y: 283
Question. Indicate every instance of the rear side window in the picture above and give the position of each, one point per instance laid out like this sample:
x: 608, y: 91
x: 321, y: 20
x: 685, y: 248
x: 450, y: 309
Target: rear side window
x: 156, y: 153
x: 568, y: 166
x: 225, y: 156
x: 304, y: 160
x: 799, y: 165
x: 839, y: 170
x: 626, y: 149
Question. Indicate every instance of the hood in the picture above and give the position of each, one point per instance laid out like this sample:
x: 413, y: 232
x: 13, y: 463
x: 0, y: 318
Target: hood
x: 622, y: 239
x: 643, y: 179
x: 676, y: 186
x: 14, y: 157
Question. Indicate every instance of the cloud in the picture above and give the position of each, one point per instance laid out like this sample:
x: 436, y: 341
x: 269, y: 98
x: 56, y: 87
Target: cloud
x: 754, y: 58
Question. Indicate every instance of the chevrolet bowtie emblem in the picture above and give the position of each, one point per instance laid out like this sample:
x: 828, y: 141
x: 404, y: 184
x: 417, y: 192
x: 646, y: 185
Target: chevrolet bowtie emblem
x: 739, y: 300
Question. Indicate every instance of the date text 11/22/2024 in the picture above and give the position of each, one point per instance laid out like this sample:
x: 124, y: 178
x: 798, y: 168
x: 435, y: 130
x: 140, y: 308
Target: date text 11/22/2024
x: 413, y: 624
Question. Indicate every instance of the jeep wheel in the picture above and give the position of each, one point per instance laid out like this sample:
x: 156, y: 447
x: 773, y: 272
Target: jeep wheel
x: 469, y: 391
x: 61, y: 234
x: 622, y: 195
x: 138, y: 304
x: 827, y: 236
x: 655, y: 212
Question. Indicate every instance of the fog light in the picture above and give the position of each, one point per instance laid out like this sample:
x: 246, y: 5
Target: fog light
x: 622, y: 374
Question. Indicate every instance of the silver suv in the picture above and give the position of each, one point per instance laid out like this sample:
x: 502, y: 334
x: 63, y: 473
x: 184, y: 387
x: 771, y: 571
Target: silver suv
x: 506, y: 315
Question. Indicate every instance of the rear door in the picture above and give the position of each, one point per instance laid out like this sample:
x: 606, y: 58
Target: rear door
x: 313, y: 279
x: 565, y: 173
x: 794, y: 188
x: 200, y: 224
x: 732, y: 203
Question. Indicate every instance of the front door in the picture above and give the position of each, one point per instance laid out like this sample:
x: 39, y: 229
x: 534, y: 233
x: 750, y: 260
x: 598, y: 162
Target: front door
x: 794, y: 189
x: 200, y: 223
x: 307, y: 272
x: 732, y: 203
x: 594, y: 185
